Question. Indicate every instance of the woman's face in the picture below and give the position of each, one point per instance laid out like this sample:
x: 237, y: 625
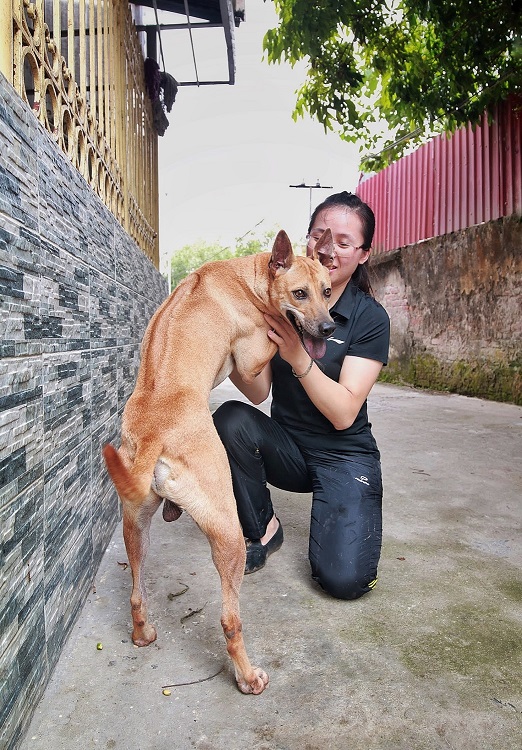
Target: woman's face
x: 347, y: 233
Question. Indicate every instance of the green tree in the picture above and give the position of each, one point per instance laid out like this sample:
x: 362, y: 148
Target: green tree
x: 408, y: 67
x: 252, y: 243
x: 189, y: 257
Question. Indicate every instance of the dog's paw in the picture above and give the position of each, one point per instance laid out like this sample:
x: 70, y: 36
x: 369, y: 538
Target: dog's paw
x: 144, y: 635
x: 256, y: 685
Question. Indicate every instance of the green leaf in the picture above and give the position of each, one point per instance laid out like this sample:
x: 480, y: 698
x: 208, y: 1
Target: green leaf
x: 413, y: 65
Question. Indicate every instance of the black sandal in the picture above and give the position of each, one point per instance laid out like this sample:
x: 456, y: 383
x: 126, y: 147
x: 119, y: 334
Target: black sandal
x: 258, y: 553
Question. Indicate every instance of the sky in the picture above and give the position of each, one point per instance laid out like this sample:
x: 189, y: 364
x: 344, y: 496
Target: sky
x: 230, y: 152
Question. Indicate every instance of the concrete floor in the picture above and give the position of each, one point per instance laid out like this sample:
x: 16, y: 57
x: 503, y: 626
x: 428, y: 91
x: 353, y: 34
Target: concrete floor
x: 430, y: 659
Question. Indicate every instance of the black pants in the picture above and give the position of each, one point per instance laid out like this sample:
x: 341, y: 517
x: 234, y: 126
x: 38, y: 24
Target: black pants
x: 346, y: 519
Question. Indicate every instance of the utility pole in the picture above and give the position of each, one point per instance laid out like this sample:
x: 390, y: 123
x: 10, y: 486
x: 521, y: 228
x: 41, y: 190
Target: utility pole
x: 317, y: 186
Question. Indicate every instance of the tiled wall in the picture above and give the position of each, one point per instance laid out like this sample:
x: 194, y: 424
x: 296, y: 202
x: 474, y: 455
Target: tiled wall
x: 76, y: 295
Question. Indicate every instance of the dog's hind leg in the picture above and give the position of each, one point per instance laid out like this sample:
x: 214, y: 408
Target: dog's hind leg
x: 136, y: 533
x: 228, y: 553
x: 202, y: 485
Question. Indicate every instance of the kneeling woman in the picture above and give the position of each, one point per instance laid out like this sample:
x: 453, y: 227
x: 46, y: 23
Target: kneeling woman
x: 318, y: 438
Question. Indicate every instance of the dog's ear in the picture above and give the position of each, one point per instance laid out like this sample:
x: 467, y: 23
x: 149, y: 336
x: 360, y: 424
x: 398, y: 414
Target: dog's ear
x: 282, y: 253
x: 323, y: 250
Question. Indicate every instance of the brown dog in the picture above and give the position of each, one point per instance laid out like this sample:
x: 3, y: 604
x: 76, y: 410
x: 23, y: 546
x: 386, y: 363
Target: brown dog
x: 170, y: 449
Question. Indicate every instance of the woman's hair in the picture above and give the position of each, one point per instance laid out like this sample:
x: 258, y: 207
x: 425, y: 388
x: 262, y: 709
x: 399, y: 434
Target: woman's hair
x: 353, y: 203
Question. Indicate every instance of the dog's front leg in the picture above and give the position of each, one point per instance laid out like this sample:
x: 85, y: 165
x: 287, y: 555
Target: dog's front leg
x: 136, y: 533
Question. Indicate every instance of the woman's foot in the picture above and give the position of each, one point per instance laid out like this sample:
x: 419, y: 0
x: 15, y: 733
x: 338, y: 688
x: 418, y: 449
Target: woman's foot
x: 258, y: 552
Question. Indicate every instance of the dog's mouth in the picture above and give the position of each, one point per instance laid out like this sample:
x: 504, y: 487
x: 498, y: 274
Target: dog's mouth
x: 314, y: 345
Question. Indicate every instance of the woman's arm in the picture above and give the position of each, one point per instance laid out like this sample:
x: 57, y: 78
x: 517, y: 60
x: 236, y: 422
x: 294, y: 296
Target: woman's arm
x: 258, y: 390
x: 339, y: 402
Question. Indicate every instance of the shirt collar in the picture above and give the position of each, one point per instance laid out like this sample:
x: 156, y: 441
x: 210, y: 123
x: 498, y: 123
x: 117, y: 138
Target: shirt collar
x: 346, y: 302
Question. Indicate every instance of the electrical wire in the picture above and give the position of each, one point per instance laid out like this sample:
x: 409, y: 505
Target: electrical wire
x: 159, y: 33
x: 191, y: 41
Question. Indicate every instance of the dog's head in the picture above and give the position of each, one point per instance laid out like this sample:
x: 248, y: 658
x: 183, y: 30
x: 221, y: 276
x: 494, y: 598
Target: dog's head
x: 300, y: 289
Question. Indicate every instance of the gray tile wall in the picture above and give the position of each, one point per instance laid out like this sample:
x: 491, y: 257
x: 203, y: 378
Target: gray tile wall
x: 76, y: 295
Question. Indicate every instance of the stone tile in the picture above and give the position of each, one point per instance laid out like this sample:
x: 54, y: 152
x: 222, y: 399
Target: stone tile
x: 62, y: 218
x: 21, y: 425
x: 128, y: 366
x: 104, y: 385
x: 103, y: 310
x: 64, y: 309
x: 66, y: 403
x: 20, y: 327
x: 19, y: 161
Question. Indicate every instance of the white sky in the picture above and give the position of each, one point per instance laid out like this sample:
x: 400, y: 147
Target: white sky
x: 230, y: 152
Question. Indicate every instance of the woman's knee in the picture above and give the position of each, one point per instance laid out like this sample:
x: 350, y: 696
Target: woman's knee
x: 348, y: 584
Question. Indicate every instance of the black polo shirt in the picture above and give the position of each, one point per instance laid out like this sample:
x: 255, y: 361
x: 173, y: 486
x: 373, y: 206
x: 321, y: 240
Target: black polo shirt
x: 362, y: 330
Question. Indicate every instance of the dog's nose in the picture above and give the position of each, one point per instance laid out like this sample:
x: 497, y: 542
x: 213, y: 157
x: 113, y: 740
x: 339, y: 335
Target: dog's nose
x: 325, y: 329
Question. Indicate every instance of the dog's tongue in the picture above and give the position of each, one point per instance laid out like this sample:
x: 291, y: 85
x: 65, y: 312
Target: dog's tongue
x: 316, y: 348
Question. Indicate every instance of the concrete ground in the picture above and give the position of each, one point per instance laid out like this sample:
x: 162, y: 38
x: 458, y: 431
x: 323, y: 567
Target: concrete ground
x: 431, y: 659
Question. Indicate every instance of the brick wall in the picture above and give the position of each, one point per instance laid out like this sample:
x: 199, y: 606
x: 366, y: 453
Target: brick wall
x: 455, y: 306
x: 76, y: 295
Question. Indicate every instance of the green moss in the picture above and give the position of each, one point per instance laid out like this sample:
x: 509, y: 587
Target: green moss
x: 494, y: 379
x: 465, y: 639
x: 512, y: 589
x: 473, y: 642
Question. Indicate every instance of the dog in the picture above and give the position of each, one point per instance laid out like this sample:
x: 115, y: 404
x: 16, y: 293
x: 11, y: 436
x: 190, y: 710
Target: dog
x: 170, y: 451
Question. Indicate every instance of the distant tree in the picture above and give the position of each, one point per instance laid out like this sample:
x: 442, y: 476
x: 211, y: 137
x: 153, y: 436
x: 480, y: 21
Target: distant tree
x: 409, y: 67
x: 190, y: 257
x: 251, y: 243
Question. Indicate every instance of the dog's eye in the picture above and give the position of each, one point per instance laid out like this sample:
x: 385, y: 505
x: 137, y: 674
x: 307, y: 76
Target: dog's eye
x: 327, y: 293
x: 300, y: 294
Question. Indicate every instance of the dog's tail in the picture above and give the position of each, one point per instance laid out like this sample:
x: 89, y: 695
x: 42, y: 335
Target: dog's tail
x: 132, y: 484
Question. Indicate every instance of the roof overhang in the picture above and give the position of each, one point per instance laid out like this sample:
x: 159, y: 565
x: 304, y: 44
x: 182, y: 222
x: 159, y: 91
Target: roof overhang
x: 227, y: 14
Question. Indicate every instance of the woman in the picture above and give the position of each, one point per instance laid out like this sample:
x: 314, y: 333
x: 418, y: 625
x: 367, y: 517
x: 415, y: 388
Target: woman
x: 318, y: 438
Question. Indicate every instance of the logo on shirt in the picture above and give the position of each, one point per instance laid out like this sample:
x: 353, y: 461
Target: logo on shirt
x: 363, y: 480
x: 336, y: 341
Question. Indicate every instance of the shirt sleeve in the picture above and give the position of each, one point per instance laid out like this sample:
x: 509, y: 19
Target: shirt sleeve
x: 372, y: 340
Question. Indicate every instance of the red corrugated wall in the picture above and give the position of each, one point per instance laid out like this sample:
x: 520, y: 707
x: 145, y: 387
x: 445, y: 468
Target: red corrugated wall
x: 450, y: 183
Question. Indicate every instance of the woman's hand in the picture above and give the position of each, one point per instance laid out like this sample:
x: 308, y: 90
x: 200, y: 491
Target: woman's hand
x: 339, y: 402
x: 291, y: 349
